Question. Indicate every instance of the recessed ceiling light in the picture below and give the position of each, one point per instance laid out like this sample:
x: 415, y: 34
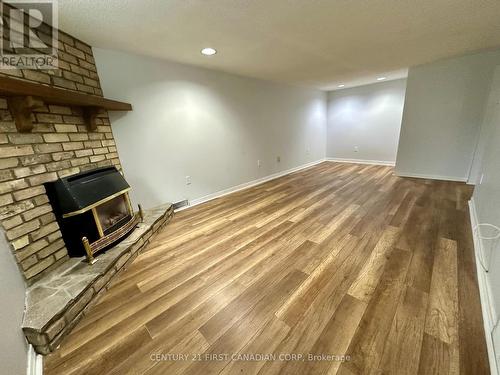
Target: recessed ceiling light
x: 341, y: 86
x: 208, y: 51
x: 381, y: 78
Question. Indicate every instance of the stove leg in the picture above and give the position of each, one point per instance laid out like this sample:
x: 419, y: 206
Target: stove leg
x: 141, y: 213
x: 88, y: 250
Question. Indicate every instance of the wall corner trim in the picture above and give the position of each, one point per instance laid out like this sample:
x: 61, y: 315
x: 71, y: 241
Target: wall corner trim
x: 35, y: 362
x: 247, y: 185
x: 362, y: 161
x: 487, y: 306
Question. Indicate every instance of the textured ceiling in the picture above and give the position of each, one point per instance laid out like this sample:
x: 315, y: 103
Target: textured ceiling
x: 320, y: 43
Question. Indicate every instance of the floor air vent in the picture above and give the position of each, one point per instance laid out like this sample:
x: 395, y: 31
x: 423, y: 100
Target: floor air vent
x: 181, y: 204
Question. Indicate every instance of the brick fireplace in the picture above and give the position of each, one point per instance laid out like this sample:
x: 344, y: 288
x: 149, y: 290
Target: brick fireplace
x: 58, y: 141
x: 59, y: 145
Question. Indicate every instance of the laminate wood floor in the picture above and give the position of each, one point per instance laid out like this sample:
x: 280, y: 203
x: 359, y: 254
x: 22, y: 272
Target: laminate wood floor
x: 368, y: 272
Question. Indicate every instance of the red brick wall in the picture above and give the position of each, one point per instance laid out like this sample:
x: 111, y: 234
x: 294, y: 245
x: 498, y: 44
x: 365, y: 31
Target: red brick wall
x: 59, y: 145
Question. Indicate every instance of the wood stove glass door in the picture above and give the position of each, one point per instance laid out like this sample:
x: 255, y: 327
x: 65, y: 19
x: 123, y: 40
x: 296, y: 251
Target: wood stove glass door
x: 113, y: 214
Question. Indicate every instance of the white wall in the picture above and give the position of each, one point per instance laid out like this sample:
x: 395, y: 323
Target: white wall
x: 442, y: 115
x: 209, y: 125
x: 367, y: 117
x: 486, y: 208
x: 487, y: 194
x: 13, y: 346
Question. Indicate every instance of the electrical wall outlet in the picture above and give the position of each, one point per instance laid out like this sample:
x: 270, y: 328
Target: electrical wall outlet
x: 259, y: 164
x: 278, y: 158
x: 356, y: 148
x: 188, y: 180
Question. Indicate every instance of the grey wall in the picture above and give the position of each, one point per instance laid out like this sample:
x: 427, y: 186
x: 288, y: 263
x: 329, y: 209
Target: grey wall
x: 209, y: 125
x: 367, y: 118
x: 13, y: 346
x: 443, y: 112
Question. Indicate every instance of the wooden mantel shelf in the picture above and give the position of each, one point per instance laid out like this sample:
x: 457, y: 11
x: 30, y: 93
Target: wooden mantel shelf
x: 25, y: 96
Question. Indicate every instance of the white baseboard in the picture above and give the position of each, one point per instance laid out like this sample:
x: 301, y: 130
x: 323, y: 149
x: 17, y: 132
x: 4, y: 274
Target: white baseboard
x: 431, y: 177
x: 487, y: 304
x: 362, y: 161
x: 247, y: 185
x: 35, y: 362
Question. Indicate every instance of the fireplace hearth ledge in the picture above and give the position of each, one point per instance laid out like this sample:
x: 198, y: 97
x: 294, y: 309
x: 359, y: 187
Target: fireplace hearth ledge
x: 56, y: 303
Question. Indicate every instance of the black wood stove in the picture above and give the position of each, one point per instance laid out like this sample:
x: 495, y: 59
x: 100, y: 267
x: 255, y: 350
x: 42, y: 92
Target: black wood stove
x: 93, y: 210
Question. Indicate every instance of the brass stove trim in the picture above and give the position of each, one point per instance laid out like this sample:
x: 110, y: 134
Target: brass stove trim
x: 101, y: 243
x: 97, y: 222
x: 98, y: 203
x: 104, y: 240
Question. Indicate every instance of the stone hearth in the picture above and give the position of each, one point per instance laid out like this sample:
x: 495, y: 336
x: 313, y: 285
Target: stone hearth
x: 57, y: 302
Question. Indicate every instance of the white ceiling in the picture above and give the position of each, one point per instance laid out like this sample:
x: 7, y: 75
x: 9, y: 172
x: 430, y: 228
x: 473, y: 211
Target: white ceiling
x: 319, y: 43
